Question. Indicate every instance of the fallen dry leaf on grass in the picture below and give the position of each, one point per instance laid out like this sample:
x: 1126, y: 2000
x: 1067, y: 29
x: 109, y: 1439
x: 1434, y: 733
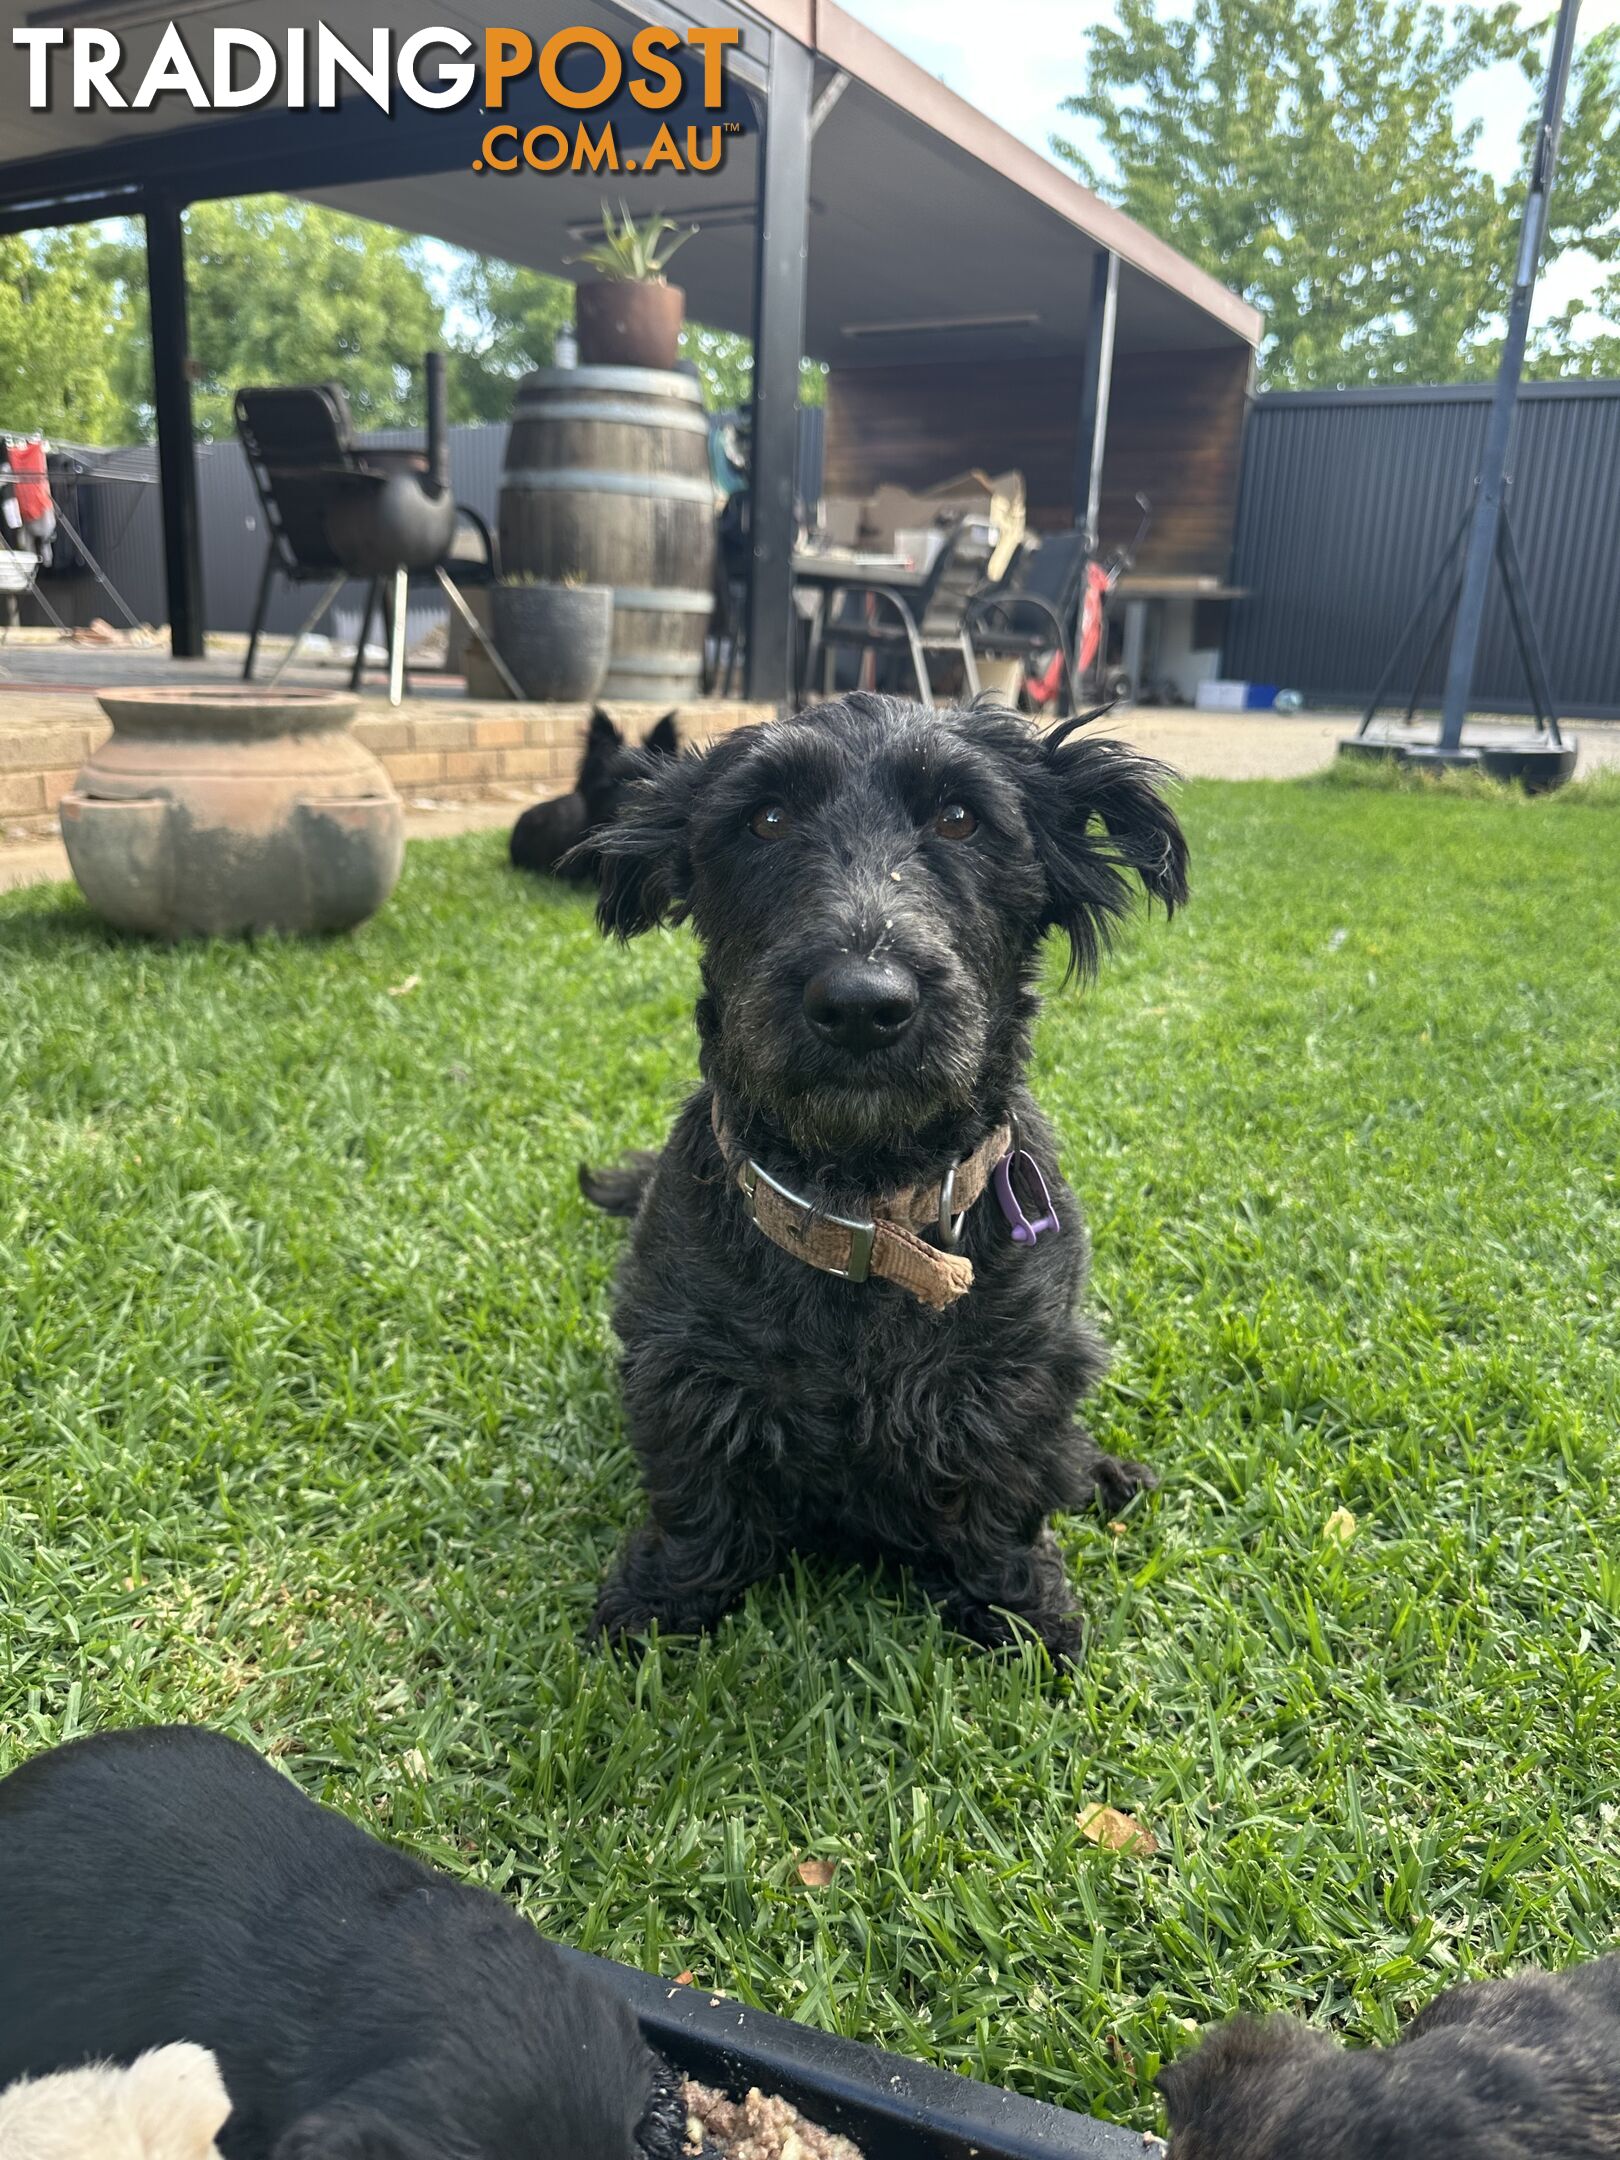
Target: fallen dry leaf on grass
x: 404, y: 989
x: 1120, y: 1833
x: 816, y: 1874
x: 416, y: 1765
x: 1340, y: 1526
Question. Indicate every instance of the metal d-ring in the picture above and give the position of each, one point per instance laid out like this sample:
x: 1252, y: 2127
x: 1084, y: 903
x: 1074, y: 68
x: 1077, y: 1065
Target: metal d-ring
x: 950, y: 1227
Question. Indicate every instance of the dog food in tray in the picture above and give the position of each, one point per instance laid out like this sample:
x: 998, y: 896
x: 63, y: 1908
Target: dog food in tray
x: 760, y: 2127
x: 853, y: 2101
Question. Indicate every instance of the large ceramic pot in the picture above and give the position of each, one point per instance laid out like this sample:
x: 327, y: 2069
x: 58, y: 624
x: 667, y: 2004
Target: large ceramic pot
x: 556, y: 639
x: 626, y: 323
x: 208, y: 814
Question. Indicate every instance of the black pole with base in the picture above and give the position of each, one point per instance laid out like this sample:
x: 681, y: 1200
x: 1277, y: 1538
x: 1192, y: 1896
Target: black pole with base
x: 1542, y: 762
x: 1544, y: 759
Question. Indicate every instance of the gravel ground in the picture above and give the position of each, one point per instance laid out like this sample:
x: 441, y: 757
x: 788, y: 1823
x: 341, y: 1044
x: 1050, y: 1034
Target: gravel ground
x: 1269, y: 746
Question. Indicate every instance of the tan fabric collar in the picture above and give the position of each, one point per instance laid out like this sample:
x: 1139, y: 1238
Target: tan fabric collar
x: 886, y: 1244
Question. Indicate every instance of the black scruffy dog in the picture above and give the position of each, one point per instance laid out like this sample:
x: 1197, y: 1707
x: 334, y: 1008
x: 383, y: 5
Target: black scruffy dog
x: 871, y: 883
x: 550, y: 831
x: 1519, y: 2069
x: 166, y: 1884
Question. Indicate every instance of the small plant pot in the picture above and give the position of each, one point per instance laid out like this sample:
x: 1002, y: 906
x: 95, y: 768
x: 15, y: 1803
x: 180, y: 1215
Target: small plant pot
x: 556, y: 639
x: 625, y: 324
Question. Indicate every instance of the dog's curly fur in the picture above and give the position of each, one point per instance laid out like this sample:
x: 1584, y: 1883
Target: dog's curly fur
x: 772, y: 1406
x: 167, y: 1884
x: 1521, y: 2069
x: 550, y: 837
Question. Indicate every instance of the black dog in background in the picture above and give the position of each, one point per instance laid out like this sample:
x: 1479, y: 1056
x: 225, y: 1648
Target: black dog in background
x: 546, y: 833
x: 167, y: 1884
x: 1520, y: 2069
x: 872, y: 883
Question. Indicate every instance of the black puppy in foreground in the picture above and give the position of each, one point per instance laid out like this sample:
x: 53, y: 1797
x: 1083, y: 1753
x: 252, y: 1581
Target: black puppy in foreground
x: 848, y: 1310
x: 167, y: 1884
x: 549, y: 831
x: 1519, y: 2069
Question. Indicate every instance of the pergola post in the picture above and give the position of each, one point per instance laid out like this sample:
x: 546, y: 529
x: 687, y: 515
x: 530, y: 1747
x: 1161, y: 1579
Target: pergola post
x: 1091, y: 437
x: 171, y: 398
x: 779, y: 280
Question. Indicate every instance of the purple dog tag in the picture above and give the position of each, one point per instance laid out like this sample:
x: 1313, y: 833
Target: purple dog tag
x: 1023, y: 1230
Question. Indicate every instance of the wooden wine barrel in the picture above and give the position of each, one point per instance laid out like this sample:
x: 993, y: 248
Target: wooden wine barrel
x: 607, y: 481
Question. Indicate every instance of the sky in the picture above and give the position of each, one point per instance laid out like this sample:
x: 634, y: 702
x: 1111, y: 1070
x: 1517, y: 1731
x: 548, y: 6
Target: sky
x: 1037, y: 58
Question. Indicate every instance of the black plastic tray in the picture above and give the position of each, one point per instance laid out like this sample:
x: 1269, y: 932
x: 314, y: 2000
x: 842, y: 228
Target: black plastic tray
x: 894, y: 2109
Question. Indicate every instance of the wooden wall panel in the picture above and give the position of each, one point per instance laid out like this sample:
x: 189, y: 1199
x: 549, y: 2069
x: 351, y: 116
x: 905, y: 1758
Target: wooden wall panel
x: 1175, y: 434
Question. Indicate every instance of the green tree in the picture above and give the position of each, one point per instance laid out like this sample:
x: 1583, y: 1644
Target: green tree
x: 510, y: 321
x: 726, y: 363
x: 1586, y: 216
x: 1308, y: 153
x: 61, y: 342
x: 286, y: 292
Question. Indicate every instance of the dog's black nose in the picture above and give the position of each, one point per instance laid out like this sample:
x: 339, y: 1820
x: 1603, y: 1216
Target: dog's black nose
x: 862, y: 1004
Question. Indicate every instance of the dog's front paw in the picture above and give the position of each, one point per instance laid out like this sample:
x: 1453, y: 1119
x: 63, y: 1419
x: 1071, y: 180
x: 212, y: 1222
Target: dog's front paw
x: 620, y: 1619
x: 1061, y: 1634
x: 1115, y: 1481
x: 1065, y: 1640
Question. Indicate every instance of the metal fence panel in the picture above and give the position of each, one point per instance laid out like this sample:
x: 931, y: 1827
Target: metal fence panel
x: 1348, y: 498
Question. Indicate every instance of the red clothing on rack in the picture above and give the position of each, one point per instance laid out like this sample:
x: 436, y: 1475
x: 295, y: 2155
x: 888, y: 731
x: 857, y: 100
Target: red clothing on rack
x: 34, y: 495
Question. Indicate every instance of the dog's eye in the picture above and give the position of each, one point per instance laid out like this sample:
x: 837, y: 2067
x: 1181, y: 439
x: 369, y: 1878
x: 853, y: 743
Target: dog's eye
x: 955, y: 821
x: 770, y: 823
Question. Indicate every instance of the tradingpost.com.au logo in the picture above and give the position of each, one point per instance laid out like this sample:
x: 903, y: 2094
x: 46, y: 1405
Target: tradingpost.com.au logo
x: 580, y: 71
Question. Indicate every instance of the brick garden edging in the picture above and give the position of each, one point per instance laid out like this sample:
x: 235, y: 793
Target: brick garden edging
x: 451, y: 755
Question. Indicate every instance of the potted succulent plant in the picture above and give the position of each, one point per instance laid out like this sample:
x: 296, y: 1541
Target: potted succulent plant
x: 556, y: 638
x: 629, y: 315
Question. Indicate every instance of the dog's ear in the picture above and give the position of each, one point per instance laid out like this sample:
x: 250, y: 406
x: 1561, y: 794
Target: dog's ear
x: 1220, y: 2085
x: 665, y: 739
x: 646, y: 866
x: 603, y: 742
x: 1098, y: 812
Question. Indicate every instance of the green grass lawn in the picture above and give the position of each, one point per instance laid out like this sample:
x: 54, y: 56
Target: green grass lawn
x: 308, y: 1427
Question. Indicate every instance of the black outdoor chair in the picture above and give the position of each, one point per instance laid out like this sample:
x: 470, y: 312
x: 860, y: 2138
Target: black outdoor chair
x: 335, y: 511
x: 1035, y: 608
x: 932, y: 620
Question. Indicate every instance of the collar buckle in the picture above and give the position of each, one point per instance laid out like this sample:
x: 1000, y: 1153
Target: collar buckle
x: 862, y: 1235
x: 950, y: 1226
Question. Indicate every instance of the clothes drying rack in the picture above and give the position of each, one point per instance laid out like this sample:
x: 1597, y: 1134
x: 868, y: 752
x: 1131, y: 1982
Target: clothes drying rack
x: 35, y: 475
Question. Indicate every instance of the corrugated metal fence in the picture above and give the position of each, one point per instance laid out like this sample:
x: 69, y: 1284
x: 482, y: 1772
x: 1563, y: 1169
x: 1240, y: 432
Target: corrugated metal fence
x: 126, y: 532
x: 1348, y: 499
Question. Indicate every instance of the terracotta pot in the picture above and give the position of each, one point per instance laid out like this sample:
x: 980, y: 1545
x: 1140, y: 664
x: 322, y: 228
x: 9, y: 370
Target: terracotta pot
x: 208, y: 814
x: 623, y: 324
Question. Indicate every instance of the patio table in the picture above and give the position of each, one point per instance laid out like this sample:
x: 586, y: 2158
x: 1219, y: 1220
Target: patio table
x: 826, y: 568
x: 819, y: 573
